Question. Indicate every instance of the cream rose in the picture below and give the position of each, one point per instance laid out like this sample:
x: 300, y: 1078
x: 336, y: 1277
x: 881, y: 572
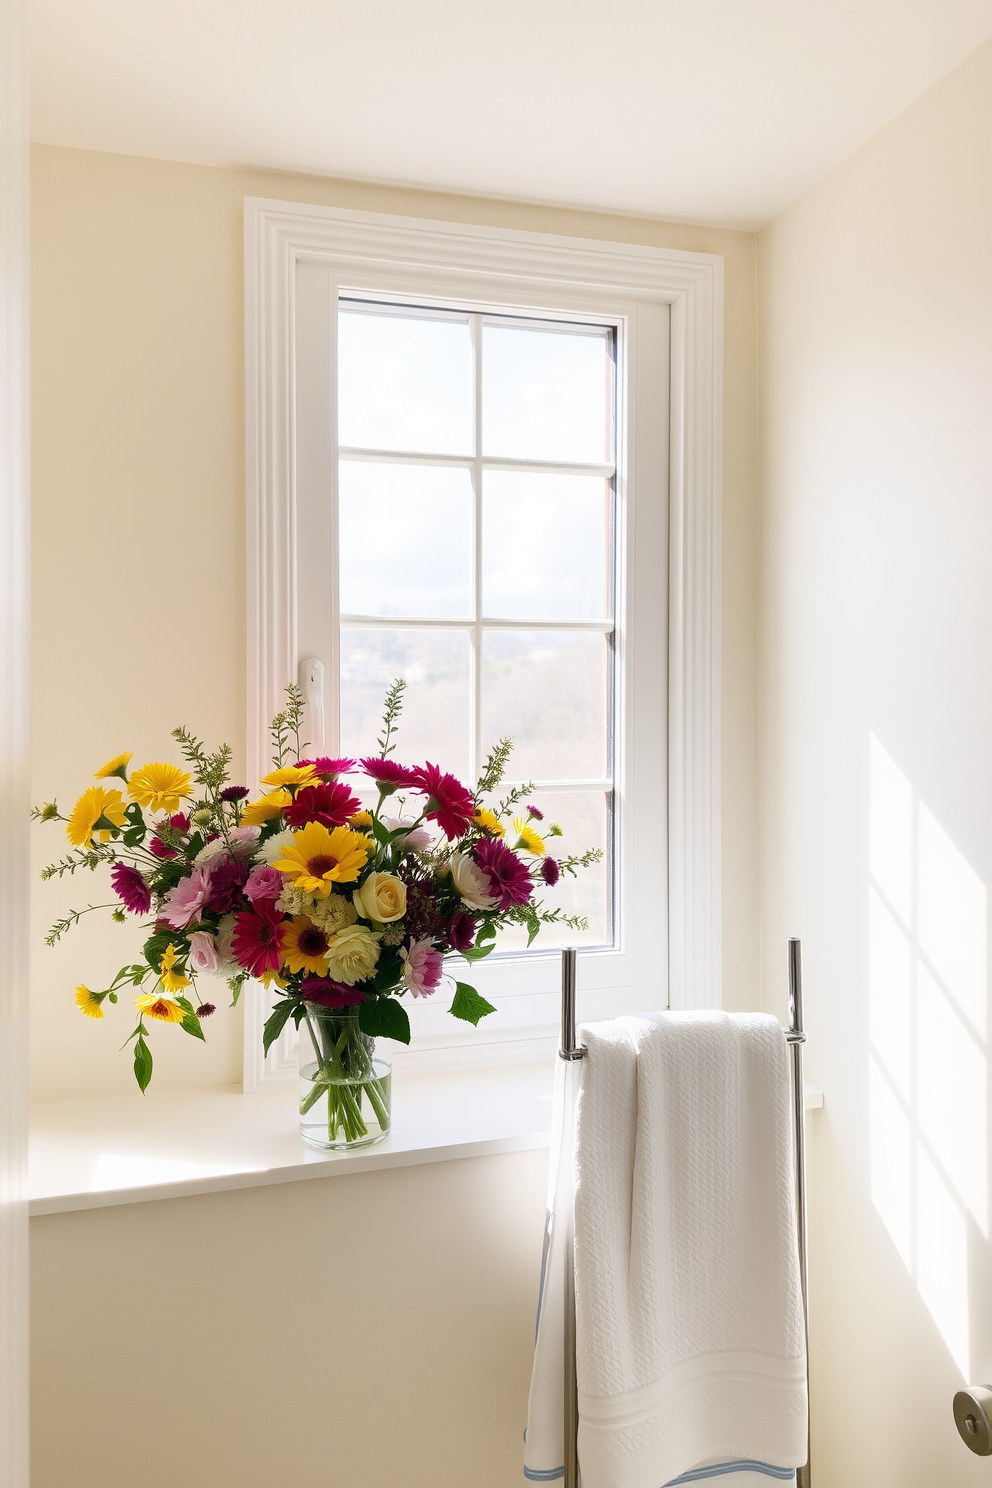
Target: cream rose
x: 471, y: 882
x: 382, y: 897
x: 352, y: 954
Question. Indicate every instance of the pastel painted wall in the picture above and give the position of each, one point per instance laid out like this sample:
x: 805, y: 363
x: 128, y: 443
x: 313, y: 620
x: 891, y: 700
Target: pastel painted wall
x: 875, y: 296
x: 139, y: 561
x: 373, y: 1330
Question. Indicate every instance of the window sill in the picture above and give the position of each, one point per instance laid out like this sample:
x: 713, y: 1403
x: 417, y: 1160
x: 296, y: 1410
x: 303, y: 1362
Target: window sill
x: 89, y: 1154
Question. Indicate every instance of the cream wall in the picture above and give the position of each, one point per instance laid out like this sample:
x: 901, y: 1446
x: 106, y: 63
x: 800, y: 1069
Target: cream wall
x: 139, y: 560
x: 875, y: 295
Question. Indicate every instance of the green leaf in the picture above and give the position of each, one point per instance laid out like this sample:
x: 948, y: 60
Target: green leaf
x: 142, y: 1064
x: 389, y: 970
x: 384, y: 1017
x: 275, y: 1023
x: 133, y: 814
x: 191, y: 1022
x: 469, y: 1005
x: 154, y: 947
x: 488, y: 932
x: 382, y: 834
x: 533, y: 924
x: 134, y: 836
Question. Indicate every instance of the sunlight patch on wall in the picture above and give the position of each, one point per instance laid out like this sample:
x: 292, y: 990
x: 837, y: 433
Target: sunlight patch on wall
x: 927, y: 1015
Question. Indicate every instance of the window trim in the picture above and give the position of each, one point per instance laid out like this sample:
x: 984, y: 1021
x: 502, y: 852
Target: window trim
x: 281, y: 235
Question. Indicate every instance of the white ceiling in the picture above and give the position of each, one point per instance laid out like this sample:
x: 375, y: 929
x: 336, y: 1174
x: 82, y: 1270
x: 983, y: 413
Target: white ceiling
x: 703, y: 110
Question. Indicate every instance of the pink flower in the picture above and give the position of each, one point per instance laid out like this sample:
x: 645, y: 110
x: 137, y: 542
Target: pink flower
x: 130, y: 887
x: 265, y: 883
x: 422, y: 966
x: 330, y: 769
x: 184, y: 902
x: 449, y: 803
x: 203, y: 952
x: 461, y: 930
x: 509, y: 880
x: 329, y: 993
x: 180, y: 823
x: 257, y: 939
x: 533, y: 811
x: 414, y: 840
x: 328, y: 803
x: 388, y: 775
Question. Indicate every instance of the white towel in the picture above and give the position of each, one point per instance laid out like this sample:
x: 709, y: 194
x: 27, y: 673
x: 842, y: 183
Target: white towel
x: 689, y: 1315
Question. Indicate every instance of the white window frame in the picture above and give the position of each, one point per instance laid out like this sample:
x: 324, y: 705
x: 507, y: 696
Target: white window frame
x: 297, y: 259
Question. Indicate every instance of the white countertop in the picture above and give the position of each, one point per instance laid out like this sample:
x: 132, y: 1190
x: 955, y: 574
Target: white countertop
x: 86, y: 1154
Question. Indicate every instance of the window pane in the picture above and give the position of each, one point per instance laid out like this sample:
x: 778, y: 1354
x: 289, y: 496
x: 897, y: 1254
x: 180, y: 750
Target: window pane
x: 545, y: 546
x: 548, y: 691
x: 546, y: 394
x: 406, y: 540
x: 404, y: 383
x: 583, y: 819
x: 434, y: 724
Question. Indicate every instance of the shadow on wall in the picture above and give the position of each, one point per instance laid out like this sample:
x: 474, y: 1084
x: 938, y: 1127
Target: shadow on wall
x: 928, y: 1058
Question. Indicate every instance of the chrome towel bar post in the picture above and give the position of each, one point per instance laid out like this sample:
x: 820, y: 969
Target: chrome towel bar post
x: 569, y: 1050
x: 796, y: 1037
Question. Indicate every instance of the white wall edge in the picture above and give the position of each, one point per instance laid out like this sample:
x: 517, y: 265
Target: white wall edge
x: 14, y: 742
x: 279, y: 234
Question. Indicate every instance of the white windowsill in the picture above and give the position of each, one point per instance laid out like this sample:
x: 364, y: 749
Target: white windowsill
x: 87, y: 1154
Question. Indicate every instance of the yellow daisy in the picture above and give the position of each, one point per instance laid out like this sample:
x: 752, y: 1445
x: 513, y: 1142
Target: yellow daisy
x: 96, y: 811
x: 116, y: 766
x: 172, y: 981
x: 527, y: 838
x: 159, y: 787
x: 154, y: 1005
x: 489, y: 822
x: 291, y: 775
x: 319, y: 858
x: 361, y: 821
x: 269, y: 976
x: 265, y: 808
x: 304, y: 946
x: 89, y: 1002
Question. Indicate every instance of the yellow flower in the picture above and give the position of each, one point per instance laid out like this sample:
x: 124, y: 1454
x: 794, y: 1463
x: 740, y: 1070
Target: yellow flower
x: 291, y: 775
x: 319, y: 858
x: 256, y: 813
x: 269, y: 976
x: 361, y: 821
x: 159, y: 787
x: 527, y: 838
x: 489, y: 822
x: 352, y: 954
x: 172, y: 981
x: 381, y: 898
x: 89, y: 1002
x: 304, y: 946
x: 331, y: 914
x: 96, y: 811
x: 116, y: 766
x: 154, y: 1005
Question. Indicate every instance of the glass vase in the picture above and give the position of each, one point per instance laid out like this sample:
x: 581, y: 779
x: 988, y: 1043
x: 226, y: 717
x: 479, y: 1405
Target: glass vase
x: 345, y: 1090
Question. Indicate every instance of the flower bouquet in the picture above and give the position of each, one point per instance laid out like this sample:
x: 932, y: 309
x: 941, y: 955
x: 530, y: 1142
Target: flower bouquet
x: 343, y: 909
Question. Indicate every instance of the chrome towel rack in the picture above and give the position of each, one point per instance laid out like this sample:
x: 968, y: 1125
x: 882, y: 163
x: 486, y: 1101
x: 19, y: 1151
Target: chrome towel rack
x: 568, y: 1049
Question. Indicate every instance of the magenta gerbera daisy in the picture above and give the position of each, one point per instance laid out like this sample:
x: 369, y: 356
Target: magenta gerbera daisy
x: 388, y: 775
x: 131, y: 889
x: 330, y: 804
x: 329, y: 993
x: 449, y: 803
x: 509, y: 880
x: 329, y: 769
x: 257, y: 939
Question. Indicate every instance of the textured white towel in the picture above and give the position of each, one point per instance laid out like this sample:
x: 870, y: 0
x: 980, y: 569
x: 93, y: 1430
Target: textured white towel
x: 689, y: 1313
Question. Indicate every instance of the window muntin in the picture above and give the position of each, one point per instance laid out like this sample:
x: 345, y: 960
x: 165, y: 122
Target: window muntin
x: 477, y: 554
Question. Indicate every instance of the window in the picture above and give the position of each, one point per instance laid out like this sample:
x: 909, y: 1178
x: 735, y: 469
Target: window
x: 488, y: 461
x: 475, y: 547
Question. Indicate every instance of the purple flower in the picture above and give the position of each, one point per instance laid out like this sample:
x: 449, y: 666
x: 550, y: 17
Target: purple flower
x: 131, y: 889
x: 265, y: 883
x: 461, y: 930
x: 227, y: 879
x: 509, y: 880
x: 329, y: 993
x: 205, y: 1009
x: 423, y: 913
x: 533, y: 811
x: 550, y: 872
x: 234, y: 793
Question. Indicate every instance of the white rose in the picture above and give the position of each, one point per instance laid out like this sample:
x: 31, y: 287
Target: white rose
x: 382, y: 897
x: 471, y: 882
